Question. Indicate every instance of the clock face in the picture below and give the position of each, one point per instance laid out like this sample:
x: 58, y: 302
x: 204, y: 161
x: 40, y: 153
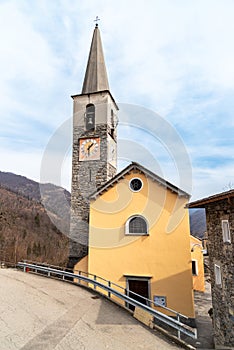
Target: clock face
x: 89, y: 149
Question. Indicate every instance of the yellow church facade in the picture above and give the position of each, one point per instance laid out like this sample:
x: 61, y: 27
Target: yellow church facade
x: 139, y: 238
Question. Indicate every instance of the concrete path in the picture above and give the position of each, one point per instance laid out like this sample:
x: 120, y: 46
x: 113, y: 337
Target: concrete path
x: 37, y: 313
x: 203, y: 303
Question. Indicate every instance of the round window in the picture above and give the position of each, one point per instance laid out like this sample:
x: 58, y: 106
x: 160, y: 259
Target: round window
x: 136, y: 184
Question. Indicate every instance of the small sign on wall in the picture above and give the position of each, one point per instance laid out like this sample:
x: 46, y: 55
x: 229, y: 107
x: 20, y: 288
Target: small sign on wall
x: 160, y: 300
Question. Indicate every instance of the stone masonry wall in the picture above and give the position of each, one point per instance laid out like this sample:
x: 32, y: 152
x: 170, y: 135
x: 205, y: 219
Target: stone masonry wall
x: 87, y: 176
x: 221, y: 253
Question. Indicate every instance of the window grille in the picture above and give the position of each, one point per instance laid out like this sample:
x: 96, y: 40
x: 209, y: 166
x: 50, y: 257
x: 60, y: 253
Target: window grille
x: 137, y: 225
x: 136, y: 184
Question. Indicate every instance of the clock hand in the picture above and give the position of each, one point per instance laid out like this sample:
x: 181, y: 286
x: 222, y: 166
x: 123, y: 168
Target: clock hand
x: 88, y: 148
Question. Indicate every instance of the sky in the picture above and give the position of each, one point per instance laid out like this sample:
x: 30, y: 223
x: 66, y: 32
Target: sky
x: 171, y: 60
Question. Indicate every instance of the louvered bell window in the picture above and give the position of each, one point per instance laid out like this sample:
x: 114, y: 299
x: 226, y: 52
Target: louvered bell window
x: 90, y: 117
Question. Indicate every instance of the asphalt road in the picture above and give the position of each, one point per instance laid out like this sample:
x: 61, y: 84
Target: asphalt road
x: 37, y: 313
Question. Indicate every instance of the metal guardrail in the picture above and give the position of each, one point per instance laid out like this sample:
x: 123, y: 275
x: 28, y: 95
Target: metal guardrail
x: 123, y: 295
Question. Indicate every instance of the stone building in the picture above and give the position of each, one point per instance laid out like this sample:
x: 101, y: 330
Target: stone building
x: 220, y: 224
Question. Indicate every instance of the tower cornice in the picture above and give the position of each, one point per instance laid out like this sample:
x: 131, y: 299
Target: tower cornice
x: 97, y: 92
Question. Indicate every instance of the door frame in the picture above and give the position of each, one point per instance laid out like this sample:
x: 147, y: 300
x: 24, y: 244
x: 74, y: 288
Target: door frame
x: 138, y: 278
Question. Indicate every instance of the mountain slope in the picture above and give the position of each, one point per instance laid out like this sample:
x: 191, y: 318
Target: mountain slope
x: 55, y: 199
x: 29, y: 188
x: 197, y: 218
x: 34, y: 220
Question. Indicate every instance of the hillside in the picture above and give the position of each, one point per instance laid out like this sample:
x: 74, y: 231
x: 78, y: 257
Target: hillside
x: 55, y: 199
x: 197, y: 218
x: 26, y: 231
x: 29, y: 230
x: 20, y: 184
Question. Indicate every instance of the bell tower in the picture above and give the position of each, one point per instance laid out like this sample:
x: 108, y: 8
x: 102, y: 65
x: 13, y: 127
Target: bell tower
x: 94, y: 158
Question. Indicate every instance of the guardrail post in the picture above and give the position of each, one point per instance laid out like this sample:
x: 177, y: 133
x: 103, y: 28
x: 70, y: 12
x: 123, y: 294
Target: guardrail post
x: 79, y: 273
x: 195, y: 333
x: 179, y: 333
x: 95, y: 278
x: 109, y: 293
x: 127, y: 293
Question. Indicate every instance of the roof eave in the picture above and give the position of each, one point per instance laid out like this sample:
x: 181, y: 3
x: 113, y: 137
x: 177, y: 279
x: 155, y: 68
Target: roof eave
x: 201, y: 203
x: 147, y: 172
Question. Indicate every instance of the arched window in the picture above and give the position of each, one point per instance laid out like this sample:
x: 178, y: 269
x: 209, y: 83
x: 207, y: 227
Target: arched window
x: 90, y: 117
x: 136, y: 225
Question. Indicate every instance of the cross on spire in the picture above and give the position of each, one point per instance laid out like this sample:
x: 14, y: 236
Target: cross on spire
x: 96, y: 20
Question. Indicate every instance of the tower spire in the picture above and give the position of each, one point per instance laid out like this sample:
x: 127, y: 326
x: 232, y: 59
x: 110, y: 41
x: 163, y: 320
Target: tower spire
x: 96, y: 75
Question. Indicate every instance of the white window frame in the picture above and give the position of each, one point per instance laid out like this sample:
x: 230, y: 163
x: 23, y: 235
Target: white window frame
x: 218, y: 275
x: 226, y: 231
x: 136, y: 234
x: 196, y: 267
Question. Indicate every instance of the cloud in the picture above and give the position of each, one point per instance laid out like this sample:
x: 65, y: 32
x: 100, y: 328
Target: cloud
x: 175, y: 58
x: 208, y: 180
x: 25, y: 56
x: 25, y: 163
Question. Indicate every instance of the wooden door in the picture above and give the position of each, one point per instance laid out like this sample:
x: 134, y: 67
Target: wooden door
x: 140, y: 287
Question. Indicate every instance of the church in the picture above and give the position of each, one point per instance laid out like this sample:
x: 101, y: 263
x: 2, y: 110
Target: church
x: 131, y: 227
